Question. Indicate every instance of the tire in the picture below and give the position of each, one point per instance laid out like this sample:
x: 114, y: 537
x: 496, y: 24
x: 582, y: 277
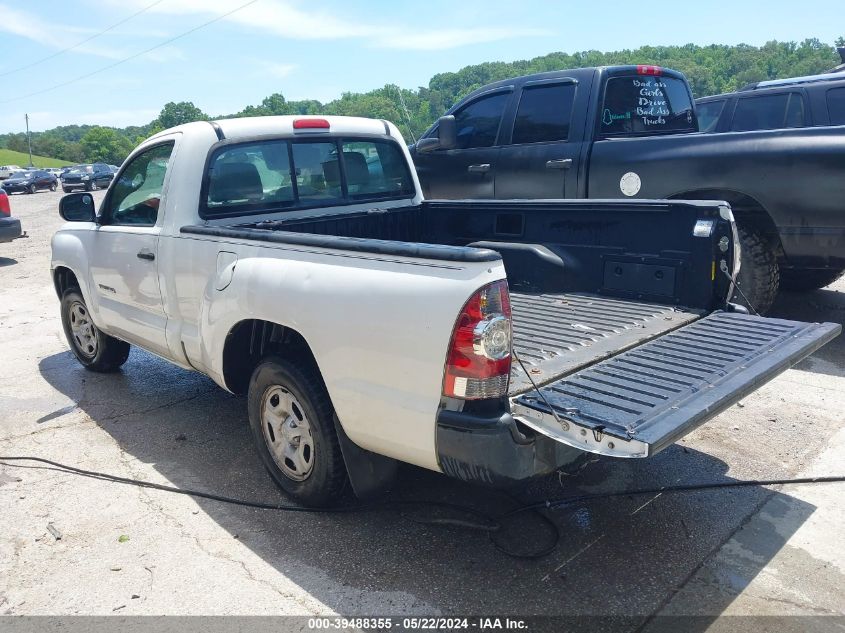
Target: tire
x: 758, y: 277
x: 805, y: 279
x: 32, y: 188
x: 52, y: 186
x: 292, y: 421
x: 89, y: 186
x: 93, y: 349
x: 66, y: 190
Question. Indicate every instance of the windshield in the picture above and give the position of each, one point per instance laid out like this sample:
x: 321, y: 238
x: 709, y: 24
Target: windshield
x: 23, y: 174
x: 644, y: 104
x: 81, y: 169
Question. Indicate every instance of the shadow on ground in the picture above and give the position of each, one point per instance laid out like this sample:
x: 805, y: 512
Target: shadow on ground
x: 623, y: 556
x: 818, y: 305
x: 7, y: 261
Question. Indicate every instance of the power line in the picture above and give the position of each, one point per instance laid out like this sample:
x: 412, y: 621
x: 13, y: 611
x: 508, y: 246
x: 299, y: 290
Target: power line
x: 78, y: 44
x: 131, y: 57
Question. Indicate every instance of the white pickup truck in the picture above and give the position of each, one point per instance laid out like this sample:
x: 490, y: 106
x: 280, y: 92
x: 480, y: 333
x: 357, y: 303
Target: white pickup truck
x: 294, y: 260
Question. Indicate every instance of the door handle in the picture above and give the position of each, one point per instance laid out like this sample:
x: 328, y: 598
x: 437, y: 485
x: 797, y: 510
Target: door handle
x: 145, y: 254
x: 559, y: 163
x: 479, y: 169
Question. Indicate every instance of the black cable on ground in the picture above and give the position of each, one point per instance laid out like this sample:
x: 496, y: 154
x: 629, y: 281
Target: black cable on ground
x: 489, y: 524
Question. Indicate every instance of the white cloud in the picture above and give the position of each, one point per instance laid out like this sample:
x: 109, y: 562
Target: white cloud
x: 273, y: 69
x: 283, y: 18
x: 48, y: 34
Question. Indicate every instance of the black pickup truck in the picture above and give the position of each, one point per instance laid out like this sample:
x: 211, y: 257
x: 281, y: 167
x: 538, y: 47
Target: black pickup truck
x: 632, y: 131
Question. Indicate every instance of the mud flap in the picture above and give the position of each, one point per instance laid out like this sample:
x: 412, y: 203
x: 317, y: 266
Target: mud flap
x: 641, y: 401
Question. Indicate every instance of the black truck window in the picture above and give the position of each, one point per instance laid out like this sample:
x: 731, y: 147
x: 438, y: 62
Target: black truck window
x: 644, y: 104
x: 836, y: 105
x: 544, y: 113
x: 478, y: 122
x: 768, y: 112
x: 708, y: 114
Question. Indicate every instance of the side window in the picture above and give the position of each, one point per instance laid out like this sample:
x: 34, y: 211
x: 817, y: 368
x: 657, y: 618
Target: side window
x: 768, y: 112
x: 249, y: 176
x: 836, y: 105
x: 478, y: 122
x: 544, y: 113
x: 708, y: 115
x: 317, y: 171
x: 135, y: 197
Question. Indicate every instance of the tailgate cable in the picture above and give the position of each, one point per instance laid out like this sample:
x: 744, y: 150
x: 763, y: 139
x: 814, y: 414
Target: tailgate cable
x: 724, y: 268
x: 492, y: 525
x: 563, y: 423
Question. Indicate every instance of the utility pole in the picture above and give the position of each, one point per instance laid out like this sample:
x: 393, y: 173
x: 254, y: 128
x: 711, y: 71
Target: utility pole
x: 28, y: 140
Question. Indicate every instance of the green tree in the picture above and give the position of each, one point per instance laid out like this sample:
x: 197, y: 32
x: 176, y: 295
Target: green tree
x: 173, y: 114
x: 105, y: 145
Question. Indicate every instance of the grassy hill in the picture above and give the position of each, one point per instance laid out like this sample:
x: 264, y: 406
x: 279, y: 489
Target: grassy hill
x: 9, y: 157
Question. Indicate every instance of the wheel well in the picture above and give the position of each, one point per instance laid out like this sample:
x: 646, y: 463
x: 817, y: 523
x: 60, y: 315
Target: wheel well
x: 747, y: 211
x: 63, y: 278
x: 253, y: 339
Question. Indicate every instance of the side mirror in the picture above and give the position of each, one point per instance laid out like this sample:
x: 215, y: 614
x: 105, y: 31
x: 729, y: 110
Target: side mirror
x: 78, y: 207
x: 447, y: 136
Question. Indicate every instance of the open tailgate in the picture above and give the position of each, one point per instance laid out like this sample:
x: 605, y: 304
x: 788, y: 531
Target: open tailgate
x: 642, y: 400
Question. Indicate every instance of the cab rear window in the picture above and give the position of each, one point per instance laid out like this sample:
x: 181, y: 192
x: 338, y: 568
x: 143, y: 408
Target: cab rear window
x: 273, y: 175
x: 644, y: 104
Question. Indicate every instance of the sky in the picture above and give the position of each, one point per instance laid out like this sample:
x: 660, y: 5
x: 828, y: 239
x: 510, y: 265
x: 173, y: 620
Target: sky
x: 322, y: 48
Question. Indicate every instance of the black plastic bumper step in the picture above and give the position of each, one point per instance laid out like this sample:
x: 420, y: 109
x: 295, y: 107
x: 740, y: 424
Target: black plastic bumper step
x: 657, y: 392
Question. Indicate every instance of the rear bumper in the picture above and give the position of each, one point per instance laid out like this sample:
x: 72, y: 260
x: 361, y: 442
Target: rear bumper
x: 492, y: 450
x: 10, y: 229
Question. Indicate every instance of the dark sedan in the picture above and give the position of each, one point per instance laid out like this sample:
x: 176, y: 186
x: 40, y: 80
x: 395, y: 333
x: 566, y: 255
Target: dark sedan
x: 87, y: 177
x: 30, y: 181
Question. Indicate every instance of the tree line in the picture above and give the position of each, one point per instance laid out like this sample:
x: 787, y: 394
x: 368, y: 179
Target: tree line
x: 710, y: 69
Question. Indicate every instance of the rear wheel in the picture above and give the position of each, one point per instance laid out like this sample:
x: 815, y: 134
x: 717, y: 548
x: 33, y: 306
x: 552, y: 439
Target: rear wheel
x: 94, y: 349
x: 758, y: 277
x: 292, y: 421
x: 803, y: 279
x: 52, y: 186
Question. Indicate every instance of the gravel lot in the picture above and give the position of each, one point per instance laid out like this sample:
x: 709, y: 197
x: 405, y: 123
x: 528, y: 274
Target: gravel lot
x: 134, y: 551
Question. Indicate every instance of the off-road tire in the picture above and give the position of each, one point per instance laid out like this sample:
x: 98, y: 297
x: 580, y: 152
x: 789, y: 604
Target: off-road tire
x: 109, y: 353
x: 328, y: 478
x: 805, y: 279
x: 758, y: 277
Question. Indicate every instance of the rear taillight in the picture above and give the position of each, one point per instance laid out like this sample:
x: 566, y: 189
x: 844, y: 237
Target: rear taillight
x: 5, y: 209
x: 478, y: 364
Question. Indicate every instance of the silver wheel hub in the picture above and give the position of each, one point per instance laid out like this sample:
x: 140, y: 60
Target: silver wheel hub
x: 287, y: 433
x: 82, y: 329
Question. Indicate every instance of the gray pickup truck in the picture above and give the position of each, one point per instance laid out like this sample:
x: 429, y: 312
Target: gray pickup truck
x: 632, y: 132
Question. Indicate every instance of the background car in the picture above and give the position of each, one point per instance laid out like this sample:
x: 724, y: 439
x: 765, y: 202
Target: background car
x: 30, y: 181
x: 8, y: 170
x: 10, y: 228
x: 812, y: 101
x: 88, y: 177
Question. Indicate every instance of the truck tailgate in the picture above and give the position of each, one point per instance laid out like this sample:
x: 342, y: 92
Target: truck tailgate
x: 642, y: 400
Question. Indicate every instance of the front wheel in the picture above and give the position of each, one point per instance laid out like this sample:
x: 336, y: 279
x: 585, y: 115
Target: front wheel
x: 93, y: 349
x: 32, y: 188
x: 52, y: 186
x: 292, y: 421
x: 804, y: 279
x: 758, y: 277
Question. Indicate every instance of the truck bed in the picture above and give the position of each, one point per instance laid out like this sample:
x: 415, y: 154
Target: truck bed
x: 556, y: 334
